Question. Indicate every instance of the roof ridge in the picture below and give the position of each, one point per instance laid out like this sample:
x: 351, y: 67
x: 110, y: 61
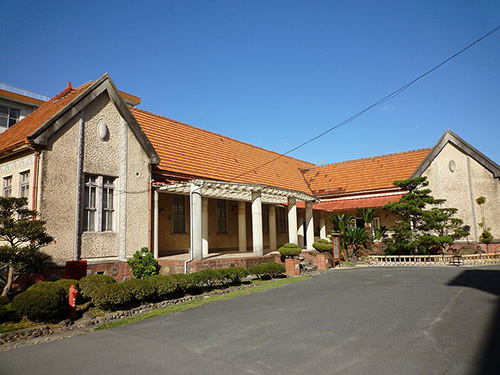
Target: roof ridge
x: 219, y: 135
x: 367, y: 158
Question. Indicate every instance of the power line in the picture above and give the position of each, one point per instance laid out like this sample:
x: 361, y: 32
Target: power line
x: 377, y: 103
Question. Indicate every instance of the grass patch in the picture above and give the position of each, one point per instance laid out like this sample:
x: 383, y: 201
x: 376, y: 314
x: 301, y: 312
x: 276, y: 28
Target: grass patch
x: 202, y: 301
x: 10, y: 326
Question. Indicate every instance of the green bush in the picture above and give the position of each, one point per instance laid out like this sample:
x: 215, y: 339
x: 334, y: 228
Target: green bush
x: 323, y: 245
x: 143, y: 264
x: 232, y: 275
x: 66, y: 283
x: 290, y: 250
x: 164, y: 286
x: 7, y: 312
x: 111, y: 296
x: 267, y: 270
x: 207, y: 278
x: 89, y: 283
x: 45, y: 302
x: 185, y: 282
x: 141, y: 289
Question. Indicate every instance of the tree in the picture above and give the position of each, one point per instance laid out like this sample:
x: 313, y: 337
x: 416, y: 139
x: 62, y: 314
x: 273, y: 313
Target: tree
x: 340, y: 224
x: 423, y: 227
x: 368, y: 214
x: 21, y: 236
x: 486, y: 237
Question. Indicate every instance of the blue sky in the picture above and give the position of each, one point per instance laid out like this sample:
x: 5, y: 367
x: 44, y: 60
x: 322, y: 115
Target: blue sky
x: 275, y: 73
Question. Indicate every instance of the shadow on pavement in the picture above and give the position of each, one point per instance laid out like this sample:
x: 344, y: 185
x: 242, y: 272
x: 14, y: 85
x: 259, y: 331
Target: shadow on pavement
x: 487, y: 281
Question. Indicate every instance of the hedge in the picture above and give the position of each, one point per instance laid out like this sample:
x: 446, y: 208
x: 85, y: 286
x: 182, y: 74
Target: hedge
x: 111, y: 296
x: 141, y: 289
x: 323, y: 245
x: 45, y: 301
x: 232, y: 275
x: 267, y: 270
x: 89, y: 283
x: 164, y: 286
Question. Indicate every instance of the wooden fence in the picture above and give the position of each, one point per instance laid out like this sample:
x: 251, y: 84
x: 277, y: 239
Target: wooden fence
x: 433, y: 260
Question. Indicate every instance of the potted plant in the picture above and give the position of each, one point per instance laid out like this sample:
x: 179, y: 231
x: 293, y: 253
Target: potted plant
x: 291, y: 251
x: 324, y: 259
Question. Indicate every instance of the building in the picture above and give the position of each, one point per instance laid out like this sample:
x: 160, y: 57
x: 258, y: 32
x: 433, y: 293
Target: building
x: 109, y: 179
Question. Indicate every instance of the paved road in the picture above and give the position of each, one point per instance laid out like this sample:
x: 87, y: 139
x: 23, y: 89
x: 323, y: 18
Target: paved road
x: 363, y: 321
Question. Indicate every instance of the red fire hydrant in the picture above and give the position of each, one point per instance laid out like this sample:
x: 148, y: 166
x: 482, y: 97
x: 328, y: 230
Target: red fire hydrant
x: 72, y: 302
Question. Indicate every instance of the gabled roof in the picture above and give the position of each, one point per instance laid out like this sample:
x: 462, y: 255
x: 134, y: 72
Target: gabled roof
x: 362, y: 175
x: 354, y: 203
x: 38, y: 126
x: 452, y: 138
x: 198, y: 153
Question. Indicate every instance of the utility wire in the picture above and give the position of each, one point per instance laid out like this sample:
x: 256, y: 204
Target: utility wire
x: 377, y: 103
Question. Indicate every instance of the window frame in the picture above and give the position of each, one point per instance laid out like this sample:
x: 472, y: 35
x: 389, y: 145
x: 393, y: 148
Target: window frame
x: 221, y: 216
x: 6, y: 187
x: 178, y: 217
x: 99, y: 213
x: 24, y: 184
x: 11, y: 120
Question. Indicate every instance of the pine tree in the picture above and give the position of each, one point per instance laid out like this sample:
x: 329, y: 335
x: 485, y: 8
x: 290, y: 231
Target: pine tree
x: 22, y: 237
x: 424, y: 227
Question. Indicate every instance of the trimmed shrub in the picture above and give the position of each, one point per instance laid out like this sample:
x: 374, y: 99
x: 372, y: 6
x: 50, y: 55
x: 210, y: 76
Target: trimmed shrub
x: 323, y: 245
x: 290, y: 250
x: 43, y: 302
x: 89, y: 283
x: 143, y: 264
x: 7, y: 312
x: 66, y: 283
x: 232, y: 275
x: 111, y: 296
x: 267, y: 270
x: 141, y: 289
x: 207, y: 278
x: 185, y: 282
x: 164, y: 287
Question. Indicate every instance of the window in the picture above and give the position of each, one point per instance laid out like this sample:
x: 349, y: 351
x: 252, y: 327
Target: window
x: 7, y: 186
x: 265, y: 218
x: 98, y: 201
x: 221, y: 214
x: 178, y: 214
x: 24, y: 184
x: 376, y: 222
x: 8, y: 116
x: 281, y: 219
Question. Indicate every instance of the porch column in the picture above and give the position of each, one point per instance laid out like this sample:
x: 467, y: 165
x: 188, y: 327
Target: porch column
x: 196, y: 222
x: 309, y: 225
x: 272, y: 228
x: 322, y: 225
x: 204, y: 210
x: 292, y: 221
x: 258, y: 237
x: 242, y: 227
x: 156, y: 241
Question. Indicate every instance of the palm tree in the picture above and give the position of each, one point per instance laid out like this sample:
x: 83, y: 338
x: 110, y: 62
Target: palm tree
x: 340, y: 225
x: 368, y: 214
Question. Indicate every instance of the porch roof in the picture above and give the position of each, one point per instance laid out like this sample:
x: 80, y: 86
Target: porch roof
x: 238, y: 191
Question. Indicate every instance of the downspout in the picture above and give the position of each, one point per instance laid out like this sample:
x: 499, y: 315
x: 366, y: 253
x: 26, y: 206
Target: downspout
x: 191, y: 234
x: 34, y: 192
x: 79, y: 187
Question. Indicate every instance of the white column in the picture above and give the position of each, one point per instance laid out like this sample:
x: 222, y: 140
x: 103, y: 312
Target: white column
x: 156, y: 234
x: 309, y: 225
x: 196, y: 222
x: 258, y: 237
x: 272, y: 228
x: 204, y: 210
x: 322, y: 226
x: 242, y: 227
x: 292, y: 221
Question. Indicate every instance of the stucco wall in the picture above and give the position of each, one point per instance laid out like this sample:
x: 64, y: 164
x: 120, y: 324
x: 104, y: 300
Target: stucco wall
x: 58, y: 201
x: 463, y: 186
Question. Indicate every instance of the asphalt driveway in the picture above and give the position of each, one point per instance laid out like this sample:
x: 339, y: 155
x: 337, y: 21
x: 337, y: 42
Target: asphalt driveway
x: 361, y: 321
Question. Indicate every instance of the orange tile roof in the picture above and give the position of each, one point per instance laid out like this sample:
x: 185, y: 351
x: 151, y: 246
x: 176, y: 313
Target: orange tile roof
x: 196, y: 152
x: 373, y: 173
x: 17, y: 134
x: 349, y: 204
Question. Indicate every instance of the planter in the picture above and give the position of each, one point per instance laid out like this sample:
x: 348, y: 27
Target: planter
x: 292, y: 267
x: 321, y: 261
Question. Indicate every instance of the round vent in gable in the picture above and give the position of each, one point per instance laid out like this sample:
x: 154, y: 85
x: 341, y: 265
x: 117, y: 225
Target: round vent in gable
x: 103, y: 130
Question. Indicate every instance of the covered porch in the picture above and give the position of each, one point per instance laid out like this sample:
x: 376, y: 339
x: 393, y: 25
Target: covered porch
x: 225, y: 220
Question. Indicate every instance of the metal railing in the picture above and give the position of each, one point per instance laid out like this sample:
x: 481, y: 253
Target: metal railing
x: 433, y: 260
